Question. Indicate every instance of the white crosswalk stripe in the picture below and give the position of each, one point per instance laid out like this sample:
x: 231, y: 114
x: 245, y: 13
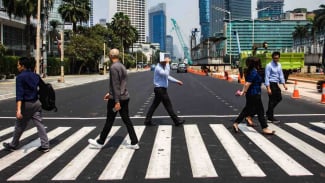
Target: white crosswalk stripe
x: 289, y: 165
x: 45, y: 160
x: 199, y: 157
x: 305, y: 148
x: 245, y: 164
x: 159, y: 164
x: 28, y: 148
x: 307, y: 131
x: 73, y: 169
x: 318, y: 124
x: 26, y: 134
x: 117, y: 166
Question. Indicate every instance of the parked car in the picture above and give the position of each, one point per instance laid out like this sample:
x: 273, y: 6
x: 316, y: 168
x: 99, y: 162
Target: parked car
x: 181, y: 68
x: 173, y: 66
x: 319, y: 85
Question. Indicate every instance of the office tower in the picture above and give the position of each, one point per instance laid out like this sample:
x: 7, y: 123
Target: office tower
x: 274, y: 10
x: 169, y: 45
x: 212, y: 21
x: 157, y: 25
x: 134, y: 9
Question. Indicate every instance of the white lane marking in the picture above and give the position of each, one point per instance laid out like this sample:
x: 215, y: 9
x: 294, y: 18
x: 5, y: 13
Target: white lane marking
x: 46, y: 159
x: 245, y: 164
x: 320, y: 125
x: 28, y: 148
x: 183, y: 116
x: 73, y: 169
x: 302, y: 146
x: 159, y: 164
x: 289, y: 165
x: 6, y: 131
x: 117, y: 166
x: 23, y: 136
x: 307, y: 131
x: 200, y: 160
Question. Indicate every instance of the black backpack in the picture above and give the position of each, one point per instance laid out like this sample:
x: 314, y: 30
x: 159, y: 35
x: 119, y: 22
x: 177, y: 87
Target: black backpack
x: 47, y: 96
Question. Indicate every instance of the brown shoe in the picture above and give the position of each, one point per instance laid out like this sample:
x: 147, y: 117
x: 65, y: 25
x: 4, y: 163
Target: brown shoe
x: 249, y: 121
x: 267, y: 131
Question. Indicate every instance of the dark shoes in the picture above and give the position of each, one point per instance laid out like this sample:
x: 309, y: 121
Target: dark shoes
x: 235, y: 127
x: 43, y: 149
x: 8, y: 147
x: 273, y: 120
x: 180, y: 122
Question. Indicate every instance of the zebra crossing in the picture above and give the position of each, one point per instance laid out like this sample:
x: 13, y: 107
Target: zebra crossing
x: 159, y: 164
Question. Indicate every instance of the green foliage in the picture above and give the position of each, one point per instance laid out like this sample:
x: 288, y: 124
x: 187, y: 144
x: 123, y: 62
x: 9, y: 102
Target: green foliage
x: 8, y: 64
x: 54, y: 66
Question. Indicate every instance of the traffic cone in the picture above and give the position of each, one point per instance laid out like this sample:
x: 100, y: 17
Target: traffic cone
x: 295, y: 91
x: 323, y: 94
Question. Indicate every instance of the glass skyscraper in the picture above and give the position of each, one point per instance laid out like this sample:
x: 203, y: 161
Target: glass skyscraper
x: 274, y: 10
x: 157, y: 25
x: 212, y: 21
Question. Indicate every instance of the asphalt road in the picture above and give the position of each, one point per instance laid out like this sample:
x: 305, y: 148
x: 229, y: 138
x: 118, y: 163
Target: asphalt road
x: 205, y: 149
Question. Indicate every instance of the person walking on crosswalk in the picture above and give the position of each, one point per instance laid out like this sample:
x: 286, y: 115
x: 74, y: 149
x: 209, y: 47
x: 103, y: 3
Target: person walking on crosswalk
x: 28, y: 106
x: 118, y: 101
x: 161, y: 77
x: 252, y: 90
x: 274, y: 76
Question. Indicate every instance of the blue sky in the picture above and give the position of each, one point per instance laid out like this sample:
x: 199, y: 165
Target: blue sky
x: 186, y: 12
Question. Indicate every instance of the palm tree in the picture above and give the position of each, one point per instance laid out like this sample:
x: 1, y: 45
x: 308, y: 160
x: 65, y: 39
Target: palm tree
x: 121, y: 26
x: 300, y: 33
x: 75, y: 11
x: 53, y: 33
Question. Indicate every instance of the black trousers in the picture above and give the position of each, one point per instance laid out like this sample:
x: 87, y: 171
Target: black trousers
x: 253, y: 105
x: 274, y: 99
x: 110, y: 118
x: 161, y: 95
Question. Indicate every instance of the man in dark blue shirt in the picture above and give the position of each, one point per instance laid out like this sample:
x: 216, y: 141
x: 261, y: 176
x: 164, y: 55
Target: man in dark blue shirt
x: 28, y: 107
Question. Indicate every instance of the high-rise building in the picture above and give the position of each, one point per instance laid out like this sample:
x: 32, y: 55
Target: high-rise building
x: 54, y: 14
x: 91, y: 15
x: 157, y: 25
x: 169, y: 45
x: 134, y: 9
x: 212, y: 21
x: 274, y: 10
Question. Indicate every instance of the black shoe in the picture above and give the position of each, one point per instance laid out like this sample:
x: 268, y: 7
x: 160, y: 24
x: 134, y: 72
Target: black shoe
x: 43, y: 149
x: 8, y: 147
x: 149, y: 123
x: 273, y: 120
x: 179, y: 122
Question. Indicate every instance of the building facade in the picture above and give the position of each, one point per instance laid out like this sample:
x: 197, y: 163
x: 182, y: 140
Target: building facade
x: 274, y: 9
x: 212, y: 21
x: 12, y: 34
x: 135, y: 9
x: 277, y: 33
x: 157, y: 25
x: 170, y: 45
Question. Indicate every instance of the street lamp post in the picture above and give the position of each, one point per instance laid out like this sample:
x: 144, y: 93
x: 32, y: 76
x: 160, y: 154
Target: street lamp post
x: 230, y: 33
x: 253, y: 32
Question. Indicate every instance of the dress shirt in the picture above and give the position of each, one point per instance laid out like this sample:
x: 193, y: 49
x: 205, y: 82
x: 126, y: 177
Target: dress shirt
x: 273, y: 73
x: 161, y: 76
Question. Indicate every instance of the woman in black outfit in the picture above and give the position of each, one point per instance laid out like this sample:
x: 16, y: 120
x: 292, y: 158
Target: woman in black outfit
x: 252, y: 91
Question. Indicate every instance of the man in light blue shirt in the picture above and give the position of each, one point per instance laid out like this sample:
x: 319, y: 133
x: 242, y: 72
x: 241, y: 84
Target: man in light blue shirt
x: 160, y: 80
x: 274, y: 77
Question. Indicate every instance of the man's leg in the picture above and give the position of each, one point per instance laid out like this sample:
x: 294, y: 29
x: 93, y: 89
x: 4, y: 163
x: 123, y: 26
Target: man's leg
x: 110, y: 117
x: 153, y: 106
x: 37, y: 120
x: 124, y: 112
x: 168, y: 106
